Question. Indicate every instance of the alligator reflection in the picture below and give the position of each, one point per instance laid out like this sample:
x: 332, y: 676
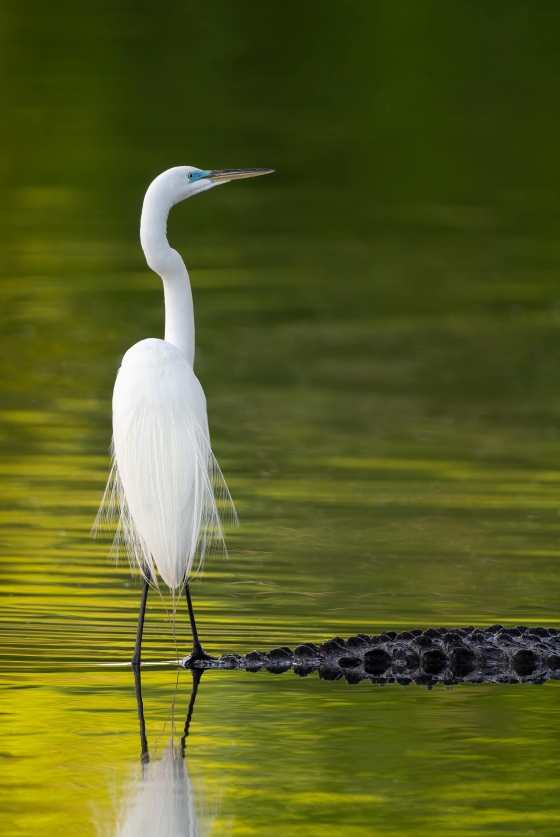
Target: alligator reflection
x: 163, y: 802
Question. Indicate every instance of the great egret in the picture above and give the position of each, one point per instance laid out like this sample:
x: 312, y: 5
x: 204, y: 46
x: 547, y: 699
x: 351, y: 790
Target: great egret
x: 164, y: 479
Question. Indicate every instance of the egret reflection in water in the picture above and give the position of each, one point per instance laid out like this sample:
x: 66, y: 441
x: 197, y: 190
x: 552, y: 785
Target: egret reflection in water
x: 163, y: 799
x: 162, y: 802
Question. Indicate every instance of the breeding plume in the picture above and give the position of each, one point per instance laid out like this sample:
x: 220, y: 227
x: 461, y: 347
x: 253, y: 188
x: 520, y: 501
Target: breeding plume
x: 165, y: 483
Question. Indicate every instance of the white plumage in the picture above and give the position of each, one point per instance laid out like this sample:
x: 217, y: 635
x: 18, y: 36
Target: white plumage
x: 165, y: 489
x: 164, y: 462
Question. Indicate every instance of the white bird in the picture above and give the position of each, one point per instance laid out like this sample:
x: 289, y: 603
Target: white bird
x: 165, y: 485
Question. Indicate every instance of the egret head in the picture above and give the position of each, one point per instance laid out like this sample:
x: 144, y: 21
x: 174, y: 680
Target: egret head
x: 183, y: 182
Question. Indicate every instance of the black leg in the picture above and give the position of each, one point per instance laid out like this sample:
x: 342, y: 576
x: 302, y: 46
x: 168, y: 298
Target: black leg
x: 196, y: 677
x: 145, y: 756
x: 198, y: 652
x: 138, y: 646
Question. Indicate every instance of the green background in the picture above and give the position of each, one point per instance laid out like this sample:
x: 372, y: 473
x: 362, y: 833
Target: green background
x: 378, y: 336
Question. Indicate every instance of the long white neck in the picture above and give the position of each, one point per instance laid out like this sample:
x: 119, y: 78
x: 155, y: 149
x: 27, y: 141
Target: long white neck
x: 179, y: 314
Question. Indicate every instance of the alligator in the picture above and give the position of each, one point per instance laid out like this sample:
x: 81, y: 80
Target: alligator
x: 426, y: 657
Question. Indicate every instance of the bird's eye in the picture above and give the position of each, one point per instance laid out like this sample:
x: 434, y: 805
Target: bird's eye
x: 190, y: 176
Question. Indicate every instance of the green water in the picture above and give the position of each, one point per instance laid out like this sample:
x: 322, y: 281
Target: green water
x: 378, y: 336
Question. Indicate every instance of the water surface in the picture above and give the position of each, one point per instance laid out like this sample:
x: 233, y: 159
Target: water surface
x: 378, y: 338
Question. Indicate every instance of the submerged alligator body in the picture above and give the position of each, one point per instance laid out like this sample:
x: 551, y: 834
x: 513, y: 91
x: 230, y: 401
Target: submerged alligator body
x: 436, y: 655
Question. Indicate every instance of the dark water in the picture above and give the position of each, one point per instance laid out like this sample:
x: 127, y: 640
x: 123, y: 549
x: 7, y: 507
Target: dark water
x: 378, y: 330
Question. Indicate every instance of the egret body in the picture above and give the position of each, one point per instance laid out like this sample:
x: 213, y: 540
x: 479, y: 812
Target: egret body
x: 164, y: 480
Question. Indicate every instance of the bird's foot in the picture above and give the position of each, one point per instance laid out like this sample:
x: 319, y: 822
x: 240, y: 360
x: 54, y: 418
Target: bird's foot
x: 197, y: 656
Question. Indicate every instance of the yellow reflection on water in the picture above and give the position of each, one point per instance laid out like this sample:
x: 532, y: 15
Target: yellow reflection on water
x: 378, y: 338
